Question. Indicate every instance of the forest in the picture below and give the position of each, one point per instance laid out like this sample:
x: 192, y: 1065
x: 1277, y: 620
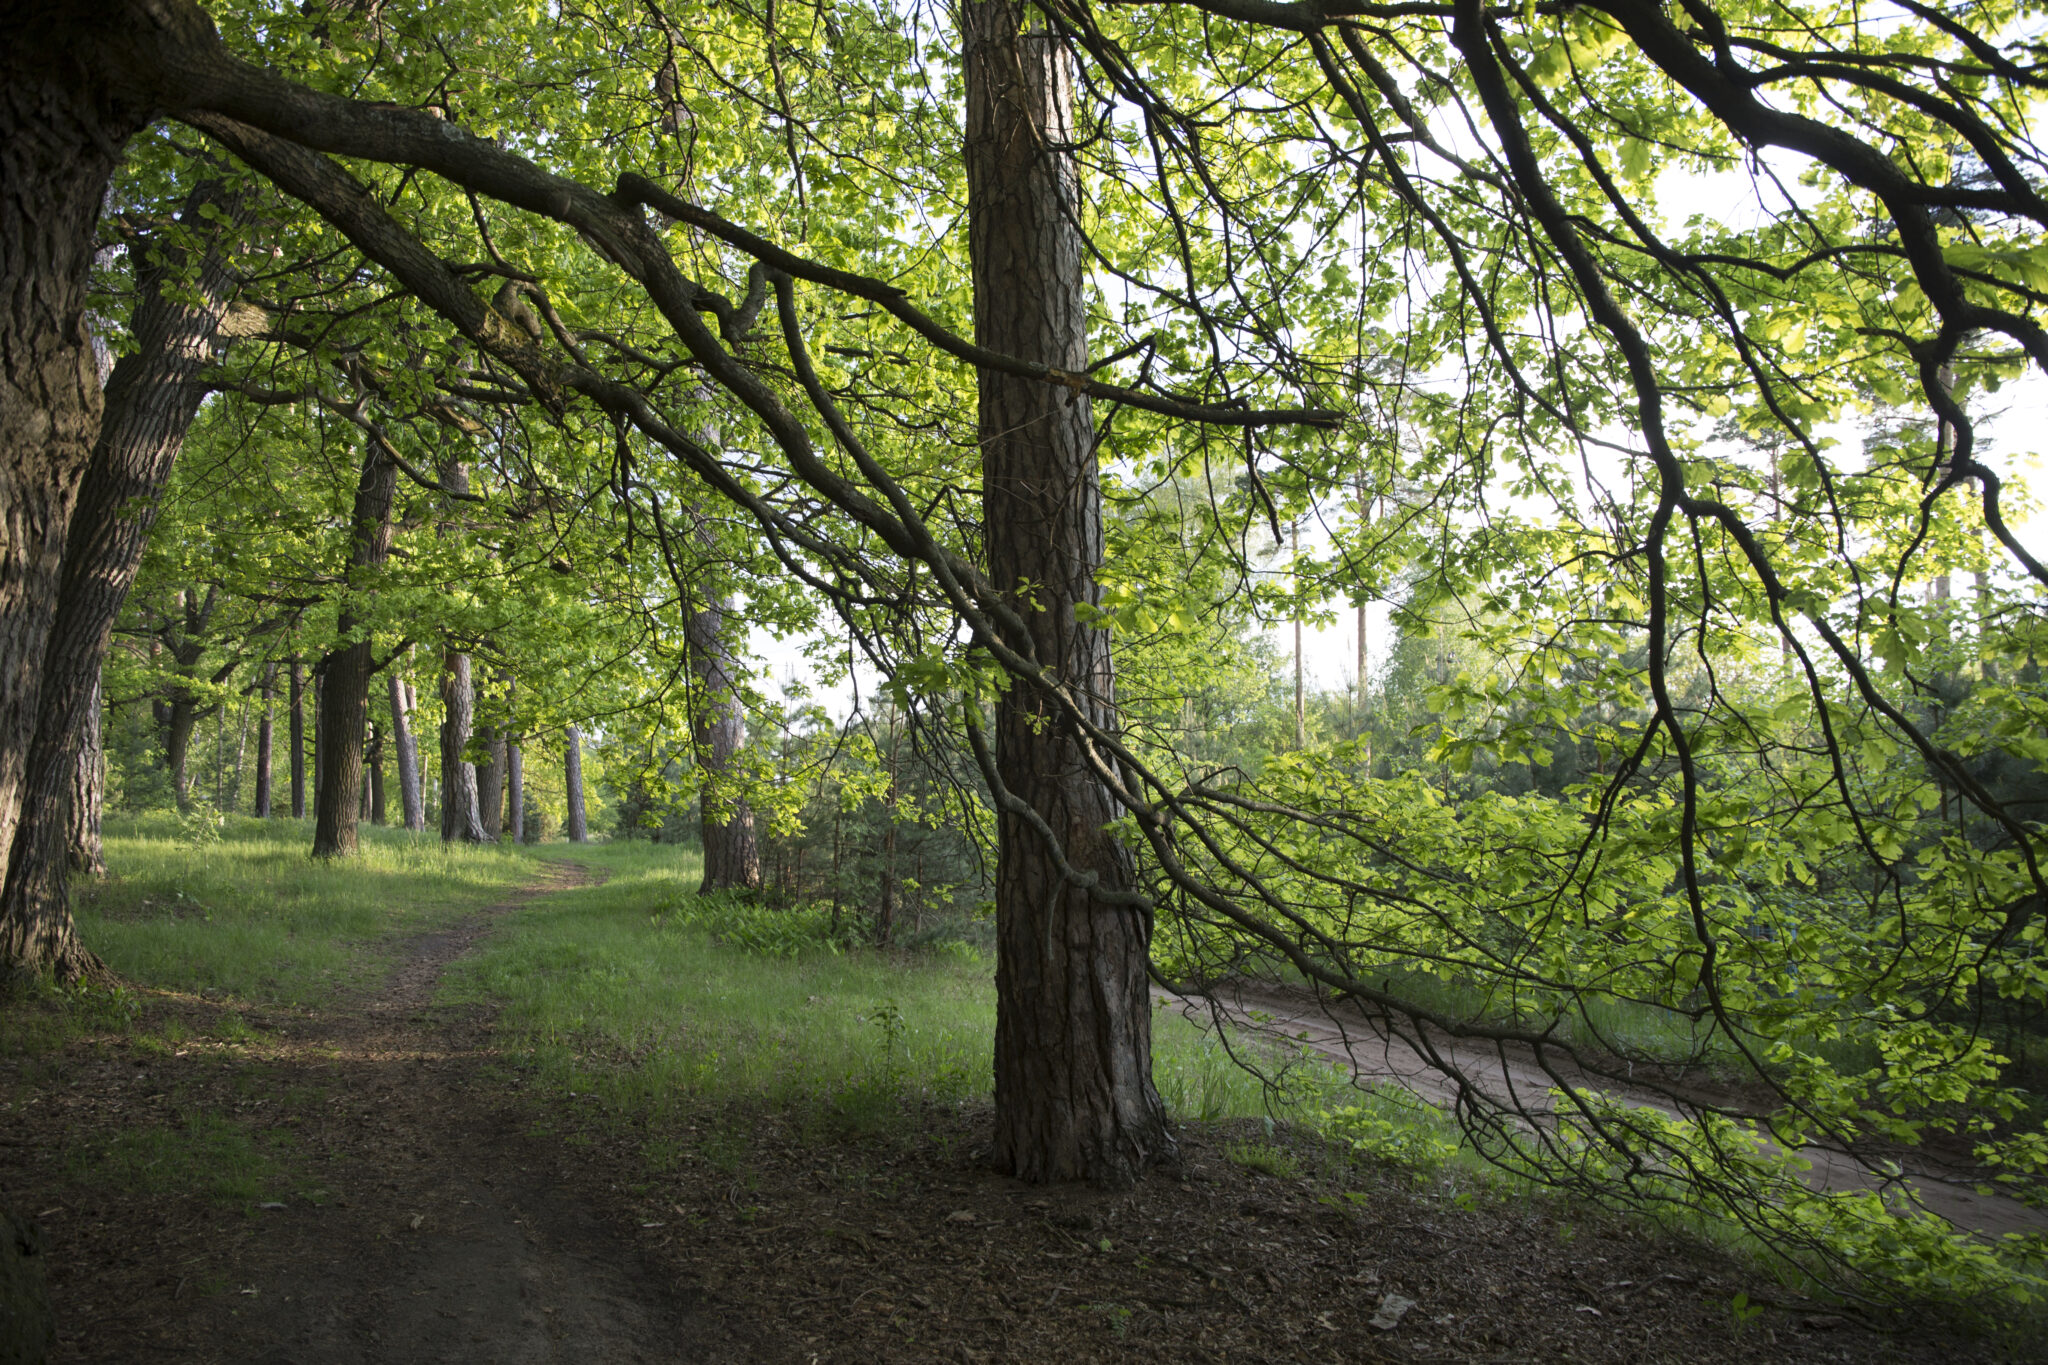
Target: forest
x: 421, y: 425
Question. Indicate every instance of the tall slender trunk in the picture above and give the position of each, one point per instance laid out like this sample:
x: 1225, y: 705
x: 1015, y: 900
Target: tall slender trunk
x: 88, y: 792
x: 317, y: 684
x: 459, y: 817
x: 732, y: 852
x: 62, y: 131
x: 184, y: 719
x: 408, y: 755
x: 490, y: 781
x: 298, y: 727
x: 266, y: 738
x: 373, y: 764
x: 515, y: 779
x: 572, y: 775
x: 345, y: 672
x: 1073, y: 1060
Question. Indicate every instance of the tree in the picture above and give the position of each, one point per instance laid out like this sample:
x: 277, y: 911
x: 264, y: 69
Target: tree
x: 150, y: 400
x: 1074, y: 1093
x: 345, y: 673
x: 1750, y: 836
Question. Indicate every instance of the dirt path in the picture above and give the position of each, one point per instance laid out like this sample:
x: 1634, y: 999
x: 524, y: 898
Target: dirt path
x: 1352, y: 1037
x: 439, y: 1231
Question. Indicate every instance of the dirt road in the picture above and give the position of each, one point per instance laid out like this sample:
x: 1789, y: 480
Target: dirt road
x: 1353, y: 1038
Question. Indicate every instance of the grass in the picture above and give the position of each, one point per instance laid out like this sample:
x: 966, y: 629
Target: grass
x: 249, y: 915
x: 203, y: 1155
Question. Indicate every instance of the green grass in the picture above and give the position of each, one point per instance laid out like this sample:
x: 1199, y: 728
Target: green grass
x: 205, y: 1155
x: 250, y: 915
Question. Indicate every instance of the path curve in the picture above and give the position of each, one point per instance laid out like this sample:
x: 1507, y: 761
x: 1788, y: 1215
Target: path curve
x: 1350, y: 1036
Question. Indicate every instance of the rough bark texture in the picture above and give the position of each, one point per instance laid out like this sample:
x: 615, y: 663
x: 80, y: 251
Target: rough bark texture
x: 407, y: 749
x: 732, y: 854
x: 345, y: 673
x: 62, y: 129
x: 515, y: 780
x: 572, y: 775
x: 298, y: 708
x: 1073, y: 1068
x: 266, y: 740
x: 151, y: 398
x: 459, y: 817
x: 88, y: 793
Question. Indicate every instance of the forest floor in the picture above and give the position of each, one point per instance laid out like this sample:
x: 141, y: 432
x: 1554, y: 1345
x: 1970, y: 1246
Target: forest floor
x: 409, y: 1193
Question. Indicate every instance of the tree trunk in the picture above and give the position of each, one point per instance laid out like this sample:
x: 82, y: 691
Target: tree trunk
x: 732, y: 854
x: 88, y: 792
x: 178, y: 748
x: 373, y: 761
x: 1073, y: 1064
x: 460, y: 821
x: 317, y: 685
x: 572, y: 773
x: 298, y: 708
x: 515, y: 779
x: 62, y: 131
x: 490, y: 782
x: 266, y: 738
x: 408, y: 755
x: 345, y: 672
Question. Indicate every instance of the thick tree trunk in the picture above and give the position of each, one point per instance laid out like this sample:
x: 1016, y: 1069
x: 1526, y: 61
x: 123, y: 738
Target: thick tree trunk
x: 83, y: 853
x: 515, y: 780
x: 62, y: 131
x: 490, y: 782
x: 460, y: 820
x: 151, y: 398
x: 266, y: 739
x: 298, y: 727
x: 1073, y: 1066
x: 408, y: 755
x: 732, y: 854
x: 572, y: 774
x: 345, y: 673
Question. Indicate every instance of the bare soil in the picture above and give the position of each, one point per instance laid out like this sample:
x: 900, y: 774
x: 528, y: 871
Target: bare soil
x: 440, y: 1207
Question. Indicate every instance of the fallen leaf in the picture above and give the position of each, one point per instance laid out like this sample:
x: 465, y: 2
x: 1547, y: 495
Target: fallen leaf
x: 1392, y: 1307
x: 418, y: 1219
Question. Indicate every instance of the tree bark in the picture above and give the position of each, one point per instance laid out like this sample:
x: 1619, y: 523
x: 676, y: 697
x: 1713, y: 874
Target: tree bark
x: 266, y: 738
x: 345, y: 672
x: 151, y: 398
x: 62, y: 130
x: 490, y: 782
x: 732, y: 853
x: 298, y: 709
x: 1073, y: 1066
x: 408, y: 755
x: 373, y: 763
x: 515, y: 779
x: 460, y: 821
x: 88, y: 792
x: 572, y: 773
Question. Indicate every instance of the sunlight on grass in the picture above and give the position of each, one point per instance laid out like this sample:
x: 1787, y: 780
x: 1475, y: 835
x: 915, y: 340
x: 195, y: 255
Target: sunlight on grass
x: 251, y: 915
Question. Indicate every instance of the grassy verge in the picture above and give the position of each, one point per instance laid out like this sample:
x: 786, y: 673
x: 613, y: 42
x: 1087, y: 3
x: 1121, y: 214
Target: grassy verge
x: 244, y: 912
